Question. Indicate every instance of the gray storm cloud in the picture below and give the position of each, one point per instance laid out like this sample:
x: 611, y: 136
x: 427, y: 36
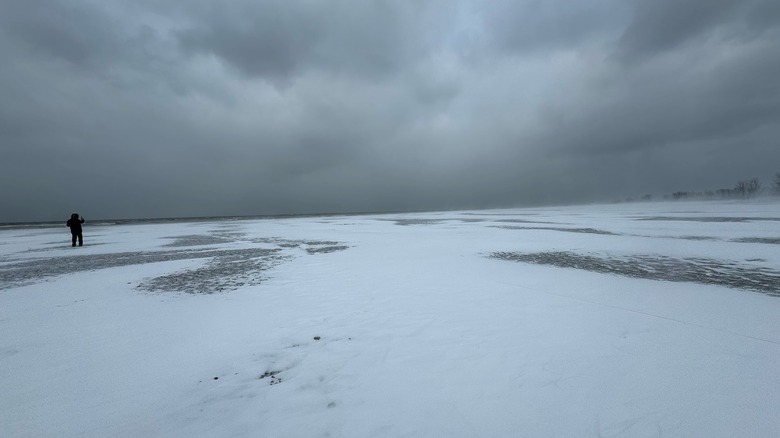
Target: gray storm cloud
x: 192, y: 108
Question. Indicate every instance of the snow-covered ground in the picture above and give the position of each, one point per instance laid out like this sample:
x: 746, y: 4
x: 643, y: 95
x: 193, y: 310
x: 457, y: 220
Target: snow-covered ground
x: 640, y: 320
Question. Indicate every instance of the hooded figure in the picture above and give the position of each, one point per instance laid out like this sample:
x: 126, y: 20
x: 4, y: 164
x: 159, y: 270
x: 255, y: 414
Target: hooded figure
x: 74, y: 223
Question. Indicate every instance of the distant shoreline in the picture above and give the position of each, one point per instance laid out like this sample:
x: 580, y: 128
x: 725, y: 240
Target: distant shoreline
x: 106, y: 222
x: 165, y: 220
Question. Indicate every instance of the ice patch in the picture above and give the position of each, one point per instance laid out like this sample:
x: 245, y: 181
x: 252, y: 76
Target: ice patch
x: 695, y: 270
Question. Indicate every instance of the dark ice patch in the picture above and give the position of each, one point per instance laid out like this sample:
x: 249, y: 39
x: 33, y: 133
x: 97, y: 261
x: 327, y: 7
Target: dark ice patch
x: 524, y: 221
x: 31, y: 271
x: 695, y: 270
x: 566, y: 230
x: 288, y: 243
x: 326, y: 249
x: 697, y: 238
x: 766, y: 240
x: 407, y: 222
x: 320, y: 242
x: 227, y: 271
x: 716, y: 219
x: 499, y: 214
x: 197, y: 240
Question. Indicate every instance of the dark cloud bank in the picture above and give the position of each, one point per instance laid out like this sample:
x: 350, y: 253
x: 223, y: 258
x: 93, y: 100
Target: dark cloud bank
x: 197, y: 107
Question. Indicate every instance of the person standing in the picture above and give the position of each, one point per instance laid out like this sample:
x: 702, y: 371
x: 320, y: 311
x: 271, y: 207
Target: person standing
x: 74, y: 223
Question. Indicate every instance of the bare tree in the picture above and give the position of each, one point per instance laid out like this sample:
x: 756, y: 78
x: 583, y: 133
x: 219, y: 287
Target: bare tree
x: 753, y: 187
x: 740, y: 189
x: 777, y: 184
x: 747, y: 188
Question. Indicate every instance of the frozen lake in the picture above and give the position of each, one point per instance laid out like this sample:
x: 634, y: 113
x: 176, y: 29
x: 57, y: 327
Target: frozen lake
x: 656, y: 319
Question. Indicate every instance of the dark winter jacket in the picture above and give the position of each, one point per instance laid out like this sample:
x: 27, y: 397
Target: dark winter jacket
x: 75, y: 223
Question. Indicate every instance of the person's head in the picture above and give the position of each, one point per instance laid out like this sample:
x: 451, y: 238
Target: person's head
x: 74, y: 216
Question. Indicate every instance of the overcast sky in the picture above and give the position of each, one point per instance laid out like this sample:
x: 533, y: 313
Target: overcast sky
x: 158, y: 108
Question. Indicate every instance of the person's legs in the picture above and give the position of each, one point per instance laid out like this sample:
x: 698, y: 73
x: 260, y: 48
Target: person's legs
x: 81, y: 239
x: 73, y: 238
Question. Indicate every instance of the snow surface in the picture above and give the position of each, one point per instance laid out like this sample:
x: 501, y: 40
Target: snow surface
x: 400, y: 325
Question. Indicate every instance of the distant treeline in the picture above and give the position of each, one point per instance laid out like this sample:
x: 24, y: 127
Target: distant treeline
x: 747, y: 188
